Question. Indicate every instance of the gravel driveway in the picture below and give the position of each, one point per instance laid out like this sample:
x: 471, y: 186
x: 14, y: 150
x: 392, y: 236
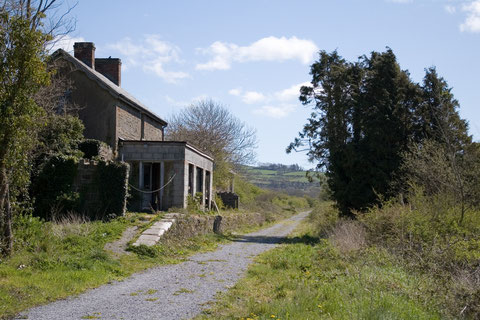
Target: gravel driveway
x: 178, y: 291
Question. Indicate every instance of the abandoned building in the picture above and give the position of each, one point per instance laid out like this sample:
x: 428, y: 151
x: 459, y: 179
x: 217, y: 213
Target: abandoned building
x: 162, y: 173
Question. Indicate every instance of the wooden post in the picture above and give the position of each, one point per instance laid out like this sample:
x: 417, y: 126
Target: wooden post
x: 217, y: 224
x: 210, y: 191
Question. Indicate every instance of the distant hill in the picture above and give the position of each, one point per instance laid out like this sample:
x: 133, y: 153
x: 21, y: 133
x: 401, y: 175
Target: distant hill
x: 289, y: 179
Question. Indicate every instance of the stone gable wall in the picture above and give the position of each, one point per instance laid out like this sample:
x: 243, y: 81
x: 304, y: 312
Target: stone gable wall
x: 129, y: 123
x: 152, y: 130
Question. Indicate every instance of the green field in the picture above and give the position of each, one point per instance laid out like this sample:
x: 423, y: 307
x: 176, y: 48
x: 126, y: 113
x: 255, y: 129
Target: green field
x: 291, y: 182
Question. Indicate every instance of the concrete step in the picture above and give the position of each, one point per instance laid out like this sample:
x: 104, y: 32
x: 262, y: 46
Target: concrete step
x: 152, y: 235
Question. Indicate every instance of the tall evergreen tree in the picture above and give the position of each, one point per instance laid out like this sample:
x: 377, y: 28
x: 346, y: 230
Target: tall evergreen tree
x: 329, y: 129
x: 438, y: 117
x: 386, y: 105
x: 365, y: 114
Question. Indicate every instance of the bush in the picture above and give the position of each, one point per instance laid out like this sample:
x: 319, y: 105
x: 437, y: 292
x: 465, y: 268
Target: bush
x: 426, y: 233
x: 111, y: 181
x: 323, y: 217
x: 94, y: 149
x: 52, y: 190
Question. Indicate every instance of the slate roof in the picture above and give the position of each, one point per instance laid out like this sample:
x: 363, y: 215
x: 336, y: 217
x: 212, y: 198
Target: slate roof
x: 104, y: 82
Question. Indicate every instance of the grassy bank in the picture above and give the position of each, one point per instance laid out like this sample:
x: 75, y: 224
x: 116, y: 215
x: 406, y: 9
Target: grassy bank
x: 56, y: 260
x: 331, y: 269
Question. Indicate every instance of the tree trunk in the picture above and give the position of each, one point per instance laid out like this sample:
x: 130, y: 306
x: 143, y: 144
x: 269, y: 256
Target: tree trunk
x: 5, y: 213
x: 7, y: 236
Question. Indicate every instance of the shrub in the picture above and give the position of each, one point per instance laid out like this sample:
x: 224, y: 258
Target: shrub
x: 426, y: 233
x: 94, y: 149
x: 111, y: 181
x: 53, y: 187
x: 323, y: 217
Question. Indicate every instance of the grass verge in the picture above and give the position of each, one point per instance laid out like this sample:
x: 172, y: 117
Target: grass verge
x: 309, y: 277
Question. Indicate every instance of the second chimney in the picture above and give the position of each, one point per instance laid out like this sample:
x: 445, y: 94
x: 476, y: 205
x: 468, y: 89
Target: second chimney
x: 110, y: 68
x: 85, y: 52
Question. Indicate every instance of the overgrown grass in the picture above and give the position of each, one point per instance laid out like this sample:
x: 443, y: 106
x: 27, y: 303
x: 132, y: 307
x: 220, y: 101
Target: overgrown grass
x: 327, y: 271
x: 56, y: 260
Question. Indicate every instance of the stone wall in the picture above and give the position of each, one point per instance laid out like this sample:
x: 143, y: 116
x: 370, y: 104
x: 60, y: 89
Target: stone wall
x: 188, y: 226
x: 98, y: 201
x: 96, y: 108
x: 152, y: 130
x: 129, y: 123
x: 85, y: 176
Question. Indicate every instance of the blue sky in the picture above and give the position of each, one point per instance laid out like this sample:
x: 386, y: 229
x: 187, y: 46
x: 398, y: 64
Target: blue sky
x: 252, y: 56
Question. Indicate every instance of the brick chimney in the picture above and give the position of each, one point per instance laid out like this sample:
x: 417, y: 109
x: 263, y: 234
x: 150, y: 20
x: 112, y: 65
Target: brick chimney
x: 85, y: 52
x: 110, y: 68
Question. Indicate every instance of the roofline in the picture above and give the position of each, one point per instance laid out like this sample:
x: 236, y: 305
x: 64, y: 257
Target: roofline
x: 186, y: 143
x: 91, y: 73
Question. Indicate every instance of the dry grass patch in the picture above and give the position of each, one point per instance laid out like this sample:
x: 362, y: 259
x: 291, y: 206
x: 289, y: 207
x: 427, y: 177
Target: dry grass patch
x: 348, y: 236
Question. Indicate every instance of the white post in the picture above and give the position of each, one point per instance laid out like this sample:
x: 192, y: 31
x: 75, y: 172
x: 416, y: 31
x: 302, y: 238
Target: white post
x: 194, y: 187
x: 203, y: 189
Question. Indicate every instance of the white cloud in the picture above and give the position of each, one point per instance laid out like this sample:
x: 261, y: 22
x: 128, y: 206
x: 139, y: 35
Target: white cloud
x: 64, y: 42
x: 251, y: 97
x: 290, y: 93
x: 282, y: 96
x: 450, y: 9
x: 278, y: 104
x: 277, y: 112
x: 151, y: 54
x: 266, y: 49
x: 235, y: 92
x: 472, y: 21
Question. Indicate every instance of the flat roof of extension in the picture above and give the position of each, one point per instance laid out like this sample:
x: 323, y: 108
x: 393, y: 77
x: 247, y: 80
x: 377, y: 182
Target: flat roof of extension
x: 184, y: 143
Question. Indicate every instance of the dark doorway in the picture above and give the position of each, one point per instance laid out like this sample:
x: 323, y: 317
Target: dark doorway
x: 199, y: 180
x: 155, y: 201
x: 190, y: 179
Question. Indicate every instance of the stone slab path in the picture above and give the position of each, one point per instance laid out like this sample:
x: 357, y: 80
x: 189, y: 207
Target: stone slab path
x: 152, y: 235
x: 178, y: 291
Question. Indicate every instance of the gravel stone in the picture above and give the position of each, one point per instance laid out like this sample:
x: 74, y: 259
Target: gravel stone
x: 178, y: 291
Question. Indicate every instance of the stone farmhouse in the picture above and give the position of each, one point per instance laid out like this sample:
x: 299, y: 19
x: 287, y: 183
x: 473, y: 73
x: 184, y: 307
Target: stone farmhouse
x: 162, y: 173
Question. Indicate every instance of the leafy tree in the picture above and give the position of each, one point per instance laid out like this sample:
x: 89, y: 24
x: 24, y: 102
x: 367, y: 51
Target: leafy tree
x: 211, y: 127
x: 23, y: 39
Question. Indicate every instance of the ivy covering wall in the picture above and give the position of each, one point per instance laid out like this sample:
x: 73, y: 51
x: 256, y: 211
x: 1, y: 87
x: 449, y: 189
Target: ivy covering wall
x: 95, y: 189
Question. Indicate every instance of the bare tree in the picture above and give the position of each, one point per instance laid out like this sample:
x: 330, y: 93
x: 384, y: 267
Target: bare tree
x: 211, y: 127
x: 51, y: 17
